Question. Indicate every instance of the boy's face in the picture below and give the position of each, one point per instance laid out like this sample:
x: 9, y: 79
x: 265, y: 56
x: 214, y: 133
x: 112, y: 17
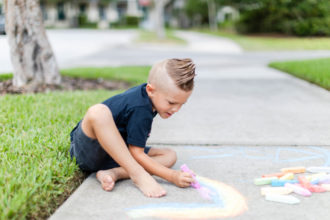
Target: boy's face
x: 167, y: 101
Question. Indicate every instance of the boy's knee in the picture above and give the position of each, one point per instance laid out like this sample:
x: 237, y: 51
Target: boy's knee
x: 172, y: 155
x: 98, y: 112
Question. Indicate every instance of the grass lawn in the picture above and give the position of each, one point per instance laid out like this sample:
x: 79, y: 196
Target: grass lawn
x: 263, y: 43
x: 36, y: 173
x: 151, y: 37
x: 315, y: 71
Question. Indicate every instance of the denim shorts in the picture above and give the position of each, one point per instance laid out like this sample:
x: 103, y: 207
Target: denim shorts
x: 89, y: 154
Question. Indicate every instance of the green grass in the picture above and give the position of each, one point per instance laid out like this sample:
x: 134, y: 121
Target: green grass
x: 36, y: 173
x: 316, y: 71
x: 264, y: 43
x: 132, y: 74
x: 5, y: 76
x: 151, y: 37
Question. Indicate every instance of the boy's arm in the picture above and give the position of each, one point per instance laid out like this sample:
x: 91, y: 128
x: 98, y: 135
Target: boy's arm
x: 151, y: 165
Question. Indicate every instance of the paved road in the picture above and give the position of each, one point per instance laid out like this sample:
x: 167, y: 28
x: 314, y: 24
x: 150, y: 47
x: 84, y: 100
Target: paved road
x: 243, y: 120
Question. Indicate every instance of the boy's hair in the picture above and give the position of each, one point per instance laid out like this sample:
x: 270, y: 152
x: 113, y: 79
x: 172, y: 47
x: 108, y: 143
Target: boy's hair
x: 181, y: 71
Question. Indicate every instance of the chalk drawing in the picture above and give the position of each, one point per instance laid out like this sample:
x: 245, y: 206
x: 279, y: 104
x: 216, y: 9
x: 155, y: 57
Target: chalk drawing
x: 226, y: 202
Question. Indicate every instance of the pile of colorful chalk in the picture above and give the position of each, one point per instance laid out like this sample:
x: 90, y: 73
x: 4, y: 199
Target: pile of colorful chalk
x: 286, y: 182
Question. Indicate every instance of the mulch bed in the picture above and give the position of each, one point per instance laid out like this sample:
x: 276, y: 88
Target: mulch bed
x: 67, y: 84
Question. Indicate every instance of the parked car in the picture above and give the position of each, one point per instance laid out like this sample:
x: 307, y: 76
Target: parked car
x: 2, y: 24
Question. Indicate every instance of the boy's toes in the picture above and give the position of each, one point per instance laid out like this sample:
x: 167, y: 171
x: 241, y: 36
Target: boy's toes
x: 108, y: 183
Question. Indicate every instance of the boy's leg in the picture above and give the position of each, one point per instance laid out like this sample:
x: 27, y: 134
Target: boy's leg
x: 166, y: 157
x: 98, y: 124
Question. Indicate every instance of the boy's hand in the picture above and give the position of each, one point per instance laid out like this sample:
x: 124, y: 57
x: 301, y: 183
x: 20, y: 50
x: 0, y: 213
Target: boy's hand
x: 181, y: 179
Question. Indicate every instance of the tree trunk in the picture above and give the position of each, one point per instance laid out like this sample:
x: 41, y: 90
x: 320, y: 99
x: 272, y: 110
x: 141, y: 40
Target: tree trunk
x: 212, y: 11
x: 33, y: 60
x: 159, y: 17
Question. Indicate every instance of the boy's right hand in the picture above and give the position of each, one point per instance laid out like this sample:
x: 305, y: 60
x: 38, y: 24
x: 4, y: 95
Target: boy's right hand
x: 181, y: 179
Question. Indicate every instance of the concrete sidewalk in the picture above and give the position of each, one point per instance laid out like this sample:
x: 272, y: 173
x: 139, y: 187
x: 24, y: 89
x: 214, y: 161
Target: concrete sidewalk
x: 243, y: 120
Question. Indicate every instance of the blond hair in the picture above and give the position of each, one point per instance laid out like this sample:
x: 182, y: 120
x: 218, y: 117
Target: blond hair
x: 180, y: 71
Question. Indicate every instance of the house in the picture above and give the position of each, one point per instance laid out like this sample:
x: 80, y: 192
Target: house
x: 102, y: 13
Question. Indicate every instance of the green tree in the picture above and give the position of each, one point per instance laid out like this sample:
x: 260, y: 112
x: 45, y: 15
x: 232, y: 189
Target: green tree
x: 295, y: 17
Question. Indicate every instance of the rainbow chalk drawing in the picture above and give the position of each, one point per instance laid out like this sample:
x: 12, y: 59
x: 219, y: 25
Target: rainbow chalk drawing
x: 226, y: 202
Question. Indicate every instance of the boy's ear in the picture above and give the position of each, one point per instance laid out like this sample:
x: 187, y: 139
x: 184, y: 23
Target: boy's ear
x: 150, y: 88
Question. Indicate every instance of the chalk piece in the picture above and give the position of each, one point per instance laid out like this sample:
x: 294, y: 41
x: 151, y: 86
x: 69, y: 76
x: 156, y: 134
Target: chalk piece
x: 294, y: 170
x: 195, y: 184
x: 315, y: 176
x: 282, y: 182
x: 275, y: 190
x: 324, y: 179
x: 278, y: 175
x: 282, y: 198
x: 326, y: 187
x: 318, y: 169
x: 298, y: 189
x: 317, y: 189
x: 315, y: 182
x: 288, y: 176
x: 264, y: 181
x: 304, y: 182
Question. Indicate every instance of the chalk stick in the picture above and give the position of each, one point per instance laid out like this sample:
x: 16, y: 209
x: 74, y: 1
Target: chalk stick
x: 315, y: 176
x: 275, y: 190
x: 315, y: 182
x: 288, y: 176
x: 282, y: 182
x: 278, y: 175
x: 307, y: 185
x: 293, y: 170
x: 185, y: 168
x: 264, y: 181
x: 324, y: 179
x: 298, y: 189
x: 282, y: 198
x: 317, y: 189
x: 326, y: 187
x: 318, y: 169
x: 304, y: 182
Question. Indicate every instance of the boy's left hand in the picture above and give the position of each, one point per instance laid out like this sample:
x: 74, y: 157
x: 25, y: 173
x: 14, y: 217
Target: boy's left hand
x: 181, y: 179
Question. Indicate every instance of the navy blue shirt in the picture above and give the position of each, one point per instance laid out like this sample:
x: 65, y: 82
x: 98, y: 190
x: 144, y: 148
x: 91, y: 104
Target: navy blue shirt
x: 133, y: 115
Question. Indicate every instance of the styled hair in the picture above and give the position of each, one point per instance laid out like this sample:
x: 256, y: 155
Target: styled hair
x: 182, y: 72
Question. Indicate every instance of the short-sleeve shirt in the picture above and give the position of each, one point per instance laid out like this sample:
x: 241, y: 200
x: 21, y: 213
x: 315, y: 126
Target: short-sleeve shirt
x: 133, y: 115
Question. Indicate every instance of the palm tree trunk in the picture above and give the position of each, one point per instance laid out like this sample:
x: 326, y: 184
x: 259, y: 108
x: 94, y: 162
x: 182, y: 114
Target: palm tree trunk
x: 32, y: 57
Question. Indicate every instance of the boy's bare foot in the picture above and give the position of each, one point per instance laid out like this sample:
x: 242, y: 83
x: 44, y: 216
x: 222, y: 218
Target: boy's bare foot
x: 107, y: 178
x: 148, y: 185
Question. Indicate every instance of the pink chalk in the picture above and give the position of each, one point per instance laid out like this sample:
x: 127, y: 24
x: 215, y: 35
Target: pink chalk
x: 307, y: 185
x: 203, y: 191
x: 195, y: 184
x: 298, y: 190
x: 317, y: 189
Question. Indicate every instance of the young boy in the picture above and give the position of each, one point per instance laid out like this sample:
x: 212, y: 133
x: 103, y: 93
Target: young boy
x: 111, y: 138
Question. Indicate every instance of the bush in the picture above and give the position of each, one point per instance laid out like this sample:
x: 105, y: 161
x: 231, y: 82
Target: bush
x: 302, y: 18
x: 132, y: 21
x: 84, y: 23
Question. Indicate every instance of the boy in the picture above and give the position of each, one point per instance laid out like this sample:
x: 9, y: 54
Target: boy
x: 111, y: 138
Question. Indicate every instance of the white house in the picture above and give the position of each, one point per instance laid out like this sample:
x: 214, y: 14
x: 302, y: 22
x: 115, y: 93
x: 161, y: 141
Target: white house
x: 62, y: 13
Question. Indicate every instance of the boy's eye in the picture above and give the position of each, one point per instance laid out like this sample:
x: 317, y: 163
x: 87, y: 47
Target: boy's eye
x: 171, y: 103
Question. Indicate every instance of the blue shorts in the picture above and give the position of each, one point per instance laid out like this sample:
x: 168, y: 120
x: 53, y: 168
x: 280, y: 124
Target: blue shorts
x: 89, y: 154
